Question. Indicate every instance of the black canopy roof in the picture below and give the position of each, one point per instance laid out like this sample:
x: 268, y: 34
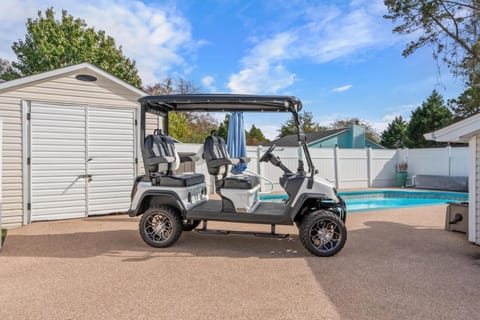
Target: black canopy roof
x: 220, y: 103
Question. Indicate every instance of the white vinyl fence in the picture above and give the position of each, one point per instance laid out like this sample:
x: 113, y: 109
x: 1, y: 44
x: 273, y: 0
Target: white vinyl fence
x: 1, y: 181
x: 352, y: 168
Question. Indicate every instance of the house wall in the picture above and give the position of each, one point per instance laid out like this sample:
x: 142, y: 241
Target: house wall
x: 341, y: 140
x: 327, y: 143
x: 369, y: 144
x: 477, y: 189
x: 63, y: 89
x: 353, y: 138
x: 357, y: 136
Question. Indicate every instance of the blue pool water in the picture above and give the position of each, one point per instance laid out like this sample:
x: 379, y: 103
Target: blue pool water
x: 388, y: 199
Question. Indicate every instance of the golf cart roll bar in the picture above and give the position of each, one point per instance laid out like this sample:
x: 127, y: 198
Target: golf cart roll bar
x: 162, y: 105
x: 302, y: 139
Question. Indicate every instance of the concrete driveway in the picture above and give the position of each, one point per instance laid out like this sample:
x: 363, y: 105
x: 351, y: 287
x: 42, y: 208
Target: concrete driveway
x: 397, y: 264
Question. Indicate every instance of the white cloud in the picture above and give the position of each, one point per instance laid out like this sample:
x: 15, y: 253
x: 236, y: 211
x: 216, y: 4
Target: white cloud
x: 263, y: 78
x: 207, y: 83
x: 390, y: 117
x: 262, y: 72
x: 156, y: 36
x: 342, y: 88
x: 379, y: 126
x: 327, y: 34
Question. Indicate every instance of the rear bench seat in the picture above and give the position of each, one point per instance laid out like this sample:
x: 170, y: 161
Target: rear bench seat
x: 162, y: 159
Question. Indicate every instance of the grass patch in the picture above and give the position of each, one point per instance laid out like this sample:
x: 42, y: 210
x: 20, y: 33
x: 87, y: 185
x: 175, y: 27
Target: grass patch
x: 4, y: 235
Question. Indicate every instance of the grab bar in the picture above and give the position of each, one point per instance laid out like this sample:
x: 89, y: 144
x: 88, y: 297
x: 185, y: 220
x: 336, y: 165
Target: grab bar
x: 262, y: 177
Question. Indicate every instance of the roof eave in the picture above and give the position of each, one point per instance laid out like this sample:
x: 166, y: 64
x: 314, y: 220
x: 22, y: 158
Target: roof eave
x: 61, y: 71
x: 461, y: 131
x: 327, y: 137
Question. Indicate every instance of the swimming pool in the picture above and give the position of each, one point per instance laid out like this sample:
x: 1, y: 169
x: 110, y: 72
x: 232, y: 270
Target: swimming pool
x: 368, y: 200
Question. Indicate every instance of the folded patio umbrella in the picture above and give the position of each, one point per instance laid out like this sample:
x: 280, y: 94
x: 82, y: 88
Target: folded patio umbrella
x: 236, y: 142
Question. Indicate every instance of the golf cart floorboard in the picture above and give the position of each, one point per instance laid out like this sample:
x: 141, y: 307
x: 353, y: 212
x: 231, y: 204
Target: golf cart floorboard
x: 266, y: 213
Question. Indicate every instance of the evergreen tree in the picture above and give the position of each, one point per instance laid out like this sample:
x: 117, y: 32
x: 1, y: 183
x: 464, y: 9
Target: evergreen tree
x: 223, y: 127
x: 468, y: 103
x: 255, y: 136
x: 430, y: 116
x: 395, y: 136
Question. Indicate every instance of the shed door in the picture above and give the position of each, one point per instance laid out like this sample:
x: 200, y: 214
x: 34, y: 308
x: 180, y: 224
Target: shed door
x: 82, y: 160
x: 58, y: 186
x: 111, y: 159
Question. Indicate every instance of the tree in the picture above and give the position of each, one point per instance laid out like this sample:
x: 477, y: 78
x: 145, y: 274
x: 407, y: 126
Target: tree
x: 370, y: 132
x: 451, y: 27
x: 255, y: 136
x: 307, y: 125
x: 177, y: 121
x: 7, y: 71
x: 191, y: 127
x: 468, y: 103
x: 200, y: 124
x: 395, y: 136
x: 430, y: 116
x: 50, y: 44
x: 223, y: 127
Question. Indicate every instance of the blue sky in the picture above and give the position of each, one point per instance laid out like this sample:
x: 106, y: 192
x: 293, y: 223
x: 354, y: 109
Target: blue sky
x: 339, y: 57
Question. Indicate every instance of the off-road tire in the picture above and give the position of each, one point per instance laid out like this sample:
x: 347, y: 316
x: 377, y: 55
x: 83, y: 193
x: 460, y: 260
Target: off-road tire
x: 160, y: 227
x: 189, y: 225
x: 323, y: 233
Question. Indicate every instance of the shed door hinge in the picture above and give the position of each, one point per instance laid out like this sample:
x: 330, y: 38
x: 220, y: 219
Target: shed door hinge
x: 28, y: 161
x: 29, y: 206
x: 136, y: 160
x: 28, y: 115
x: 136, y: 122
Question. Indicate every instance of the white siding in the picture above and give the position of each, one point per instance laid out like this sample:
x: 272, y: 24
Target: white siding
x: 58, y: 135
x: 111, y: 158
x: 62, y: 89
x: 12, y: 209
x: 477, y: 197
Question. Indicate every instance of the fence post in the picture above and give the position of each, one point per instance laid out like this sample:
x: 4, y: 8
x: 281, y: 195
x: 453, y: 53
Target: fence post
x: 259, y: 165
x: 369, y: 166
x: 335, y: 166
x: 449, y: 151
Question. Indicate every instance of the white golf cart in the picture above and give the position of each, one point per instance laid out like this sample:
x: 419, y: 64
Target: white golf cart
x: 171, y: 203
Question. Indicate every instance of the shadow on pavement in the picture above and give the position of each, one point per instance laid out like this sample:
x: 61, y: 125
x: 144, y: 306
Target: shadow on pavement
x: 128, y: 244
x: 383, y: 243
x: 387, y: 270
x: 396, y: 271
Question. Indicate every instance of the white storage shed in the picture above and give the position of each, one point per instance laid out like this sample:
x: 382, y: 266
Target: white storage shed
x: 70, y: 144
x: 467, y: 130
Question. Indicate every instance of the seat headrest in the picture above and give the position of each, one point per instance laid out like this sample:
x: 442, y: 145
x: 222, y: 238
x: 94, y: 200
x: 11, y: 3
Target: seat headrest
x: 215, y: 148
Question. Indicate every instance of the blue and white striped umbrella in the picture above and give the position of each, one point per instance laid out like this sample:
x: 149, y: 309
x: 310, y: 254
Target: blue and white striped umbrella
x: 236, y: 142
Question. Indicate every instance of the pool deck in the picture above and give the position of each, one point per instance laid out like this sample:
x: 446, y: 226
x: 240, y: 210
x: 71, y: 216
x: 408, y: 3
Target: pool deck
x: 396, y: 264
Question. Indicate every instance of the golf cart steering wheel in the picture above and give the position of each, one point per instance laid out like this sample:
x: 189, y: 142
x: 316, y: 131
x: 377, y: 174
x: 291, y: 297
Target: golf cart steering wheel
x: 267, y: 154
